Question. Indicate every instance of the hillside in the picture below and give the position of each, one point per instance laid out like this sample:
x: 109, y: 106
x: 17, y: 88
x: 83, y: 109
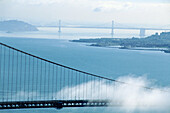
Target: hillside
x: 153, y: 41
x: 16, y: 26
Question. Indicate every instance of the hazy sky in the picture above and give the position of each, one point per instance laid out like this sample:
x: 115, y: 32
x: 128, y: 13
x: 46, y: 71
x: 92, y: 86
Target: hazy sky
x: 122, y: 11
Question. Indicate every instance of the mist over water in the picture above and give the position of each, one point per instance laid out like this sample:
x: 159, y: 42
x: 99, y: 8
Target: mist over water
x: 76, y: 33
x: 134, y: 96
x: 126, y: 98
x: 130, y: 97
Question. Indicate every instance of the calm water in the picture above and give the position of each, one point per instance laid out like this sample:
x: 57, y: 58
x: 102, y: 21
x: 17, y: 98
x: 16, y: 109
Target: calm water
x: 107, y: 62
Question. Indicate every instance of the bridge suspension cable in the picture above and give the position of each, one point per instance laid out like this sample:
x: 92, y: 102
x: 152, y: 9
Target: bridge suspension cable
x: 26, y: 79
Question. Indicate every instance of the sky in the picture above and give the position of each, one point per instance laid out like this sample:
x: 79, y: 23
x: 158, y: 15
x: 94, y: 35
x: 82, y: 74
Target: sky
x: 152, y: 12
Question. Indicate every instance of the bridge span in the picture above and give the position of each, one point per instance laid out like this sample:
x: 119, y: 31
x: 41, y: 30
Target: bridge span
x: 30, y: 81
x: 142, y: 30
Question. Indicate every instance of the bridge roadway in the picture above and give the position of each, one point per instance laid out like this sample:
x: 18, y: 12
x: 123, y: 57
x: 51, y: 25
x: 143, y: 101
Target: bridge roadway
x: 96, y: 27
x: 54, y: 104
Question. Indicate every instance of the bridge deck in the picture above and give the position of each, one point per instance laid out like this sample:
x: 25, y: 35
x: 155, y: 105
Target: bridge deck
x: 53, y: 104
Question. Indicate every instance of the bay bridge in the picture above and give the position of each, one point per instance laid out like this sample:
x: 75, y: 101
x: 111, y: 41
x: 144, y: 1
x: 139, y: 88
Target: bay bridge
x: 30, y: 81
x: 112, y: 27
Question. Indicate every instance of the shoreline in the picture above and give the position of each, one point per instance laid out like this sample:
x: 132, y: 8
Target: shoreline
x: 165, y: 50
x: 155, y: 42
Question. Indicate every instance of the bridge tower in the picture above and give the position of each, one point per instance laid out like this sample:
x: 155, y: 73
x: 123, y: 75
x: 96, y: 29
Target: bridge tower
x: 59, y: 26
x: 142, y: 33
x: 112, y: 33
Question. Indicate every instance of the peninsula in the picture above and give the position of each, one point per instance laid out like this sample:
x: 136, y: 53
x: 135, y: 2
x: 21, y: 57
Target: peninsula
x: 154, y: 42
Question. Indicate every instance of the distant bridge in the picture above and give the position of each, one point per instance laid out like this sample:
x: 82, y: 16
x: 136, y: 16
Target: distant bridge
x: 112, y: 28
x: 30, y: 81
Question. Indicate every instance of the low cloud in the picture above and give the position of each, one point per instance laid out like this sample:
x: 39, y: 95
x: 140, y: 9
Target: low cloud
x: 98, y: 9
x: 114, y: 5
x: 133, y: 96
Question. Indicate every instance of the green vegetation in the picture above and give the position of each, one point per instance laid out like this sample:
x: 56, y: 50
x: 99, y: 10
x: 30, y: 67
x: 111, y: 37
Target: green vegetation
x: 153, y: 41
x: 16, y: 26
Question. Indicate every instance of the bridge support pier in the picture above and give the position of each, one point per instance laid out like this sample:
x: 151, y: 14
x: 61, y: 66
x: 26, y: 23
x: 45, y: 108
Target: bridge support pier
x: 59, y: 26
x: 142, y: 33
x: 112, y: 33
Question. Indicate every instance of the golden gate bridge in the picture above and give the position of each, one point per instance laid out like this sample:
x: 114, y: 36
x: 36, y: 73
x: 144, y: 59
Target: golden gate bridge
x: 30, y: 81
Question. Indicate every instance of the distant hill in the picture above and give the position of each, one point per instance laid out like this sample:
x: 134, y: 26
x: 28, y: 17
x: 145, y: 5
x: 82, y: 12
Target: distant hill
x: 153, y: 41
x: 16, y: 26
x: 162, y: 42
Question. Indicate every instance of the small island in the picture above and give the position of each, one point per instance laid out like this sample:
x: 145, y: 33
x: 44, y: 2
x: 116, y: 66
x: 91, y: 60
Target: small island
x: 154, y: 42
x: 16, y: 26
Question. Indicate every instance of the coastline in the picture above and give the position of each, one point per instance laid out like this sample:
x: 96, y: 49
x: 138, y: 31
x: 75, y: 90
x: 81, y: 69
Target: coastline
x: 165, y: 50
x: 155, y: 42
